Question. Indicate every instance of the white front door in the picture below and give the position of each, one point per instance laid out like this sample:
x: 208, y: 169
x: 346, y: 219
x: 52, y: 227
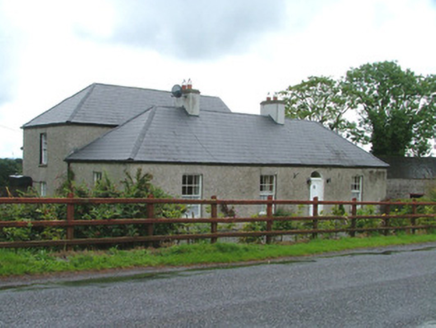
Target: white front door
x: 316, y: 190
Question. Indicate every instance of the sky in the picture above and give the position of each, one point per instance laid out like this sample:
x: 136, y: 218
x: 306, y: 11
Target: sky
x: 238, y: 50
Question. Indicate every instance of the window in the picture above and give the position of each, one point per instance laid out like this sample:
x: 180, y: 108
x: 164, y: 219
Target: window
x: 191, y: 189
x: 43, y: 189
x: 267, y: 188
x: 43, y: 149
x: 356, y: 188
x: 96, y: 176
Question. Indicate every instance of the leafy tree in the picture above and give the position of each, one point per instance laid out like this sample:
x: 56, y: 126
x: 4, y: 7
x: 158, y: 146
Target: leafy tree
x: 394, y: 110
x: 9, y: 167
x: 395, y: 107
x: 319, y: 99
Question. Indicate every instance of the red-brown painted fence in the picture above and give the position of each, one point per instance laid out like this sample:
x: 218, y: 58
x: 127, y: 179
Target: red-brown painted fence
x: 70, y: 222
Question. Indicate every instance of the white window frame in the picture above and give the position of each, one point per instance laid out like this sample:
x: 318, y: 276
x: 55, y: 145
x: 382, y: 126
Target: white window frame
x: 96, y: 176
x: 192, y: 185
x: 356, y: 187
x: 43, y: 149
x: 43, y: 189
x: 267, y: 187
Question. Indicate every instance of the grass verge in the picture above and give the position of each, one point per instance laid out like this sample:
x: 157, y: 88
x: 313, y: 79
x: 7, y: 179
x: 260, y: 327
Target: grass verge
x: 41, y: 261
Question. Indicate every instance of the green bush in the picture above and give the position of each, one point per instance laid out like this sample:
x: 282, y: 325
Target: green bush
x: 139, y: 186
x: 276, y: 226
x: 368, y: 223
x: 336, y: 223
x: 29, y: 212
x: 253, y: 227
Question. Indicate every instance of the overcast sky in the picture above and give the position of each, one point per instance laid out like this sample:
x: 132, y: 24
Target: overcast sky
x: 238, y: 50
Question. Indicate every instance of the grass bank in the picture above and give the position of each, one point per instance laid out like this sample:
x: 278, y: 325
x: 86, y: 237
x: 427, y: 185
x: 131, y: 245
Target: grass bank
x: 40, y: 261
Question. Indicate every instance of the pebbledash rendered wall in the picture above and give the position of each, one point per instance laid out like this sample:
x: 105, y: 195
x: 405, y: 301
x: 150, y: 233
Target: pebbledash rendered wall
x: 61, y: 140
x: 242, y: 181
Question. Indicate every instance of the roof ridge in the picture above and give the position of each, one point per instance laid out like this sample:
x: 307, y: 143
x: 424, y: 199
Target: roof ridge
x: 141, y: 88
x: 130, y: 87
x: 142, y: 134
x: 79, y: 105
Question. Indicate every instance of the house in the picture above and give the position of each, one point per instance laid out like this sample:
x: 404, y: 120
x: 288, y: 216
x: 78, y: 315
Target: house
x: 410, y: 177
x: 80, y: 119
x: 195, y: 147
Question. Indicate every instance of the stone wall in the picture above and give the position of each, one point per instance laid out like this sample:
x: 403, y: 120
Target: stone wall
x: 408, y: 188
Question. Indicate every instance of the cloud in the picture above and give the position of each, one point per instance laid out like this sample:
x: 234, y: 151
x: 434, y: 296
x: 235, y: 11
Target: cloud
x: 4, y: 73
x: 195, y: 29
x: 5, y: 62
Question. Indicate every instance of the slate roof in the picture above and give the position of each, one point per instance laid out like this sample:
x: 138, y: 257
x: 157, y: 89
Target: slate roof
x: 411, y: 167
x: 112, y: 105
x: 169, y: 135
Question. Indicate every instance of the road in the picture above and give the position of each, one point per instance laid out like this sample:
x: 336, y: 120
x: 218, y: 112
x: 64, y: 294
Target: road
x: 393, y: 287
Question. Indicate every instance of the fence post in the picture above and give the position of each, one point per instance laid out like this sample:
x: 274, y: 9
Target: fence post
x: 214, y: 215
x: 353, y: 219
x: 386, y: 220
x: 70, y: 217
x: 315, y: 214
x: 269, y: 213
x: 413, y: 212
x: 150, y: 215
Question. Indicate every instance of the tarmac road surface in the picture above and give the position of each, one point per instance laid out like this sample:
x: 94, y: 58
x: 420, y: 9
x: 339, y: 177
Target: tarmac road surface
x: 394, y: 287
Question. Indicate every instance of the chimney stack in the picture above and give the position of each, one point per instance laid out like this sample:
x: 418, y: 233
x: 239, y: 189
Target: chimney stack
x: 274, y: 108
x: 190, y: 99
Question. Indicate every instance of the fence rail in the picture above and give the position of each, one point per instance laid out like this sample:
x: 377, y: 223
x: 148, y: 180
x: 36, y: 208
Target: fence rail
x: 312, y: 222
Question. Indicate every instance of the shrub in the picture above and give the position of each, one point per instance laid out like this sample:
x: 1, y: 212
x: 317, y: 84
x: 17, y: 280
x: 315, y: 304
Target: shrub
x: 138, y: 186
x: 276, y: 226
x: 337, y: 210
x: 368, y: 223
x: 253, y: 227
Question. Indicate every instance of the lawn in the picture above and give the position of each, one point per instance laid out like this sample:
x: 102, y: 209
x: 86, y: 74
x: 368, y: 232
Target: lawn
x: 42, y: 261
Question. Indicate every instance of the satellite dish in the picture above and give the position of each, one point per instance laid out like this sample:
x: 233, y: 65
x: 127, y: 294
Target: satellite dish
x: 176, y: 91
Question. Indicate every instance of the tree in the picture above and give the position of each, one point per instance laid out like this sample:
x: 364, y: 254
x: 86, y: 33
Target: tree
x: 9, y: 167
x: 319, y: 99
x: 396, y: 108
x: 387, y: 107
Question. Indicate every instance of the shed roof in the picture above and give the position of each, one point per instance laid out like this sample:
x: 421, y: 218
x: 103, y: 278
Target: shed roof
x: 170, y: 135
x: 411, y: 167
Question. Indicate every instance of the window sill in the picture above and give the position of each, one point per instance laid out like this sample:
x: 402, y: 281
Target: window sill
x: 42, y: 165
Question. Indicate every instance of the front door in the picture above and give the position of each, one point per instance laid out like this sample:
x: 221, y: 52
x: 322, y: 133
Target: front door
x: 316, y: 190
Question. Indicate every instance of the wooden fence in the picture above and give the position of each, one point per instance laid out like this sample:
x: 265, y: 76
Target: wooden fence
x: 310, y: 227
